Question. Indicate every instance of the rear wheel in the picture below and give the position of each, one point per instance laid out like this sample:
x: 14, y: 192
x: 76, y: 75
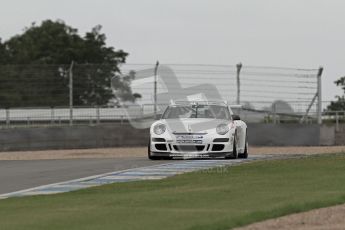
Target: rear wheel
x: 245, y: 153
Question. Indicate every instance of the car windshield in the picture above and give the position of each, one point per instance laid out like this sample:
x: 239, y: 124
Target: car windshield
x: 196, y: 111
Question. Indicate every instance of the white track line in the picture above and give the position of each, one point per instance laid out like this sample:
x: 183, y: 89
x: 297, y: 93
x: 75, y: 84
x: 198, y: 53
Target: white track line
x: 154, y: 172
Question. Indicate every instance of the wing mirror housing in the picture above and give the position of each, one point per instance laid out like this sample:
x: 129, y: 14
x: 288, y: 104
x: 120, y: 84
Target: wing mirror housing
x: 235, y: 117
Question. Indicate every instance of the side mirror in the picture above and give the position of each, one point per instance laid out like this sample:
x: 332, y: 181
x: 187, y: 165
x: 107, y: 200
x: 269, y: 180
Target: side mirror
x: 158, y: 116
x: 235, y: 117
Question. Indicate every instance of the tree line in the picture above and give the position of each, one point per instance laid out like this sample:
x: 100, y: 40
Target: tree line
x: 339, y: 103
x: 34, y: 68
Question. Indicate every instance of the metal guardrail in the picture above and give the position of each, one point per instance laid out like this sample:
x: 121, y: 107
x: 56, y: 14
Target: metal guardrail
x: 20, y: 117
x: 33, y: 117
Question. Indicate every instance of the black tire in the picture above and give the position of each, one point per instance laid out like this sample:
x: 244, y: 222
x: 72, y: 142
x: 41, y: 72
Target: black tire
x: 166, y: 158
x: 234, y: 151
x: 245, y: 153
x: 149, y: 153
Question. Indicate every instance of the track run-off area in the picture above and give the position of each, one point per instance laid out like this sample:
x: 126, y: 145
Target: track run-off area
x: 56, y: 171
x: 279, y: 181
x: 152, y: 172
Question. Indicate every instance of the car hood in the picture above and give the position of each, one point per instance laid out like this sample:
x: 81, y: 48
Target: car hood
x: 192, y: 125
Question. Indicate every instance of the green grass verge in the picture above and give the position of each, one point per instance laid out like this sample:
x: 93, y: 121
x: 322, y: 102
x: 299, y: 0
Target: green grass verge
x: 212, y: 199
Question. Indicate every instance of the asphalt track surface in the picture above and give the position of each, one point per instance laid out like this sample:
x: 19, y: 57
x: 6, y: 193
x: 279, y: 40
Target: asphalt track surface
x: 19, y: 175
x: 43, y: 177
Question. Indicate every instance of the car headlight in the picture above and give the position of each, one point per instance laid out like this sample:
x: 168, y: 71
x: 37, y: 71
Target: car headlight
x: 159, y: 129
x: 222, y: 129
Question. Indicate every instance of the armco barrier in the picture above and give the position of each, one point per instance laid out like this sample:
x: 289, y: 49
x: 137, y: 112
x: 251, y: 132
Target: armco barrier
x: 124, y: 135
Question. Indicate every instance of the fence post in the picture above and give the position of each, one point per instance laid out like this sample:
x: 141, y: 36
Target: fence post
x: 98, y: 115
x: 142, y: 111
x: 52, y: 115
x: 238, y: 72
x: 274, y: 114
x: 8, y: 122
x: 71, y: 94
x: 155, y: 90
x: 319, y: 95
x: 336, y: 121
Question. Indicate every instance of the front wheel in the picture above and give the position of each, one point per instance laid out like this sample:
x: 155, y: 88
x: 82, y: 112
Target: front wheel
x: 149, y: 153
x: 234, y: 152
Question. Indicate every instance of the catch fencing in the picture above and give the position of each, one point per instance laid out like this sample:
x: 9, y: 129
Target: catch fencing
x: 266, y: 93
x: 32, y: 95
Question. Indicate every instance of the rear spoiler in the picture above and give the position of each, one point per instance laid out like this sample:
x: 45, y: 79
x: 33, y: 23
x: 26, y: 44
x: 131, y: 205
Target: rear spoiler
x: 235, y: 106
x: 188, y: 102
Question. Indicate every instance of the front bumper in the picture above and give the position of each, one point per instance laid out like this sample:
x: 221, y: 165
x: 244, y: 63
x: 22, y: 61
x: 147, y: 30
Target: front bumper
x: 208, y: 146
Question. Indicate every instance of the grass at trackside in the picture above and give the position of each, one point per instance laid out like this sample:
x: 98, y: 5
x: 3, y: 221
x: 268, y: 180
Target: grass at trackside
x: 213, y: 199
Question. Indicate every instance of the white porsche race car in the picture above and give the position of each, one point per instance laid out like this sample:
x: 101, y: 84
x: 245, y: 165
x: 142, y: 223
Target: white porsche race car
x: 198, y: 130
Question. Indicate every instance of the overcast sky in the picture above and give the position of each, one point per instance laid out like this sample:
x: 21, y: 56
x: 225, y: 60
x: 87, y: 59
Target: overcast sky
x: 290, y: 33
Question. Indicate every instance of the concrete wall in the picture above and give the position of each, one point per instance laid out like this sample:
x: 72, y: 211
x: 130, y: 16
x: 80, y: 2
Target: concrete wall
x: 283, y: 134
x: 327, y: 135
x: 124, y: 135
x: 340, y: 135
x: 72, y: 137
x: 291, y: 134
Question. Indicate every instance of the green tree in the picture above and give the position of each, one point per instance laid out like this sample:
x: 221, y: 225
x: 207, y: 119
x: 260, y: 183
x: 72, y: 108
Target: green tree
x: 34, y: 67
x: 339, y: 104
x: 2, y: 52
